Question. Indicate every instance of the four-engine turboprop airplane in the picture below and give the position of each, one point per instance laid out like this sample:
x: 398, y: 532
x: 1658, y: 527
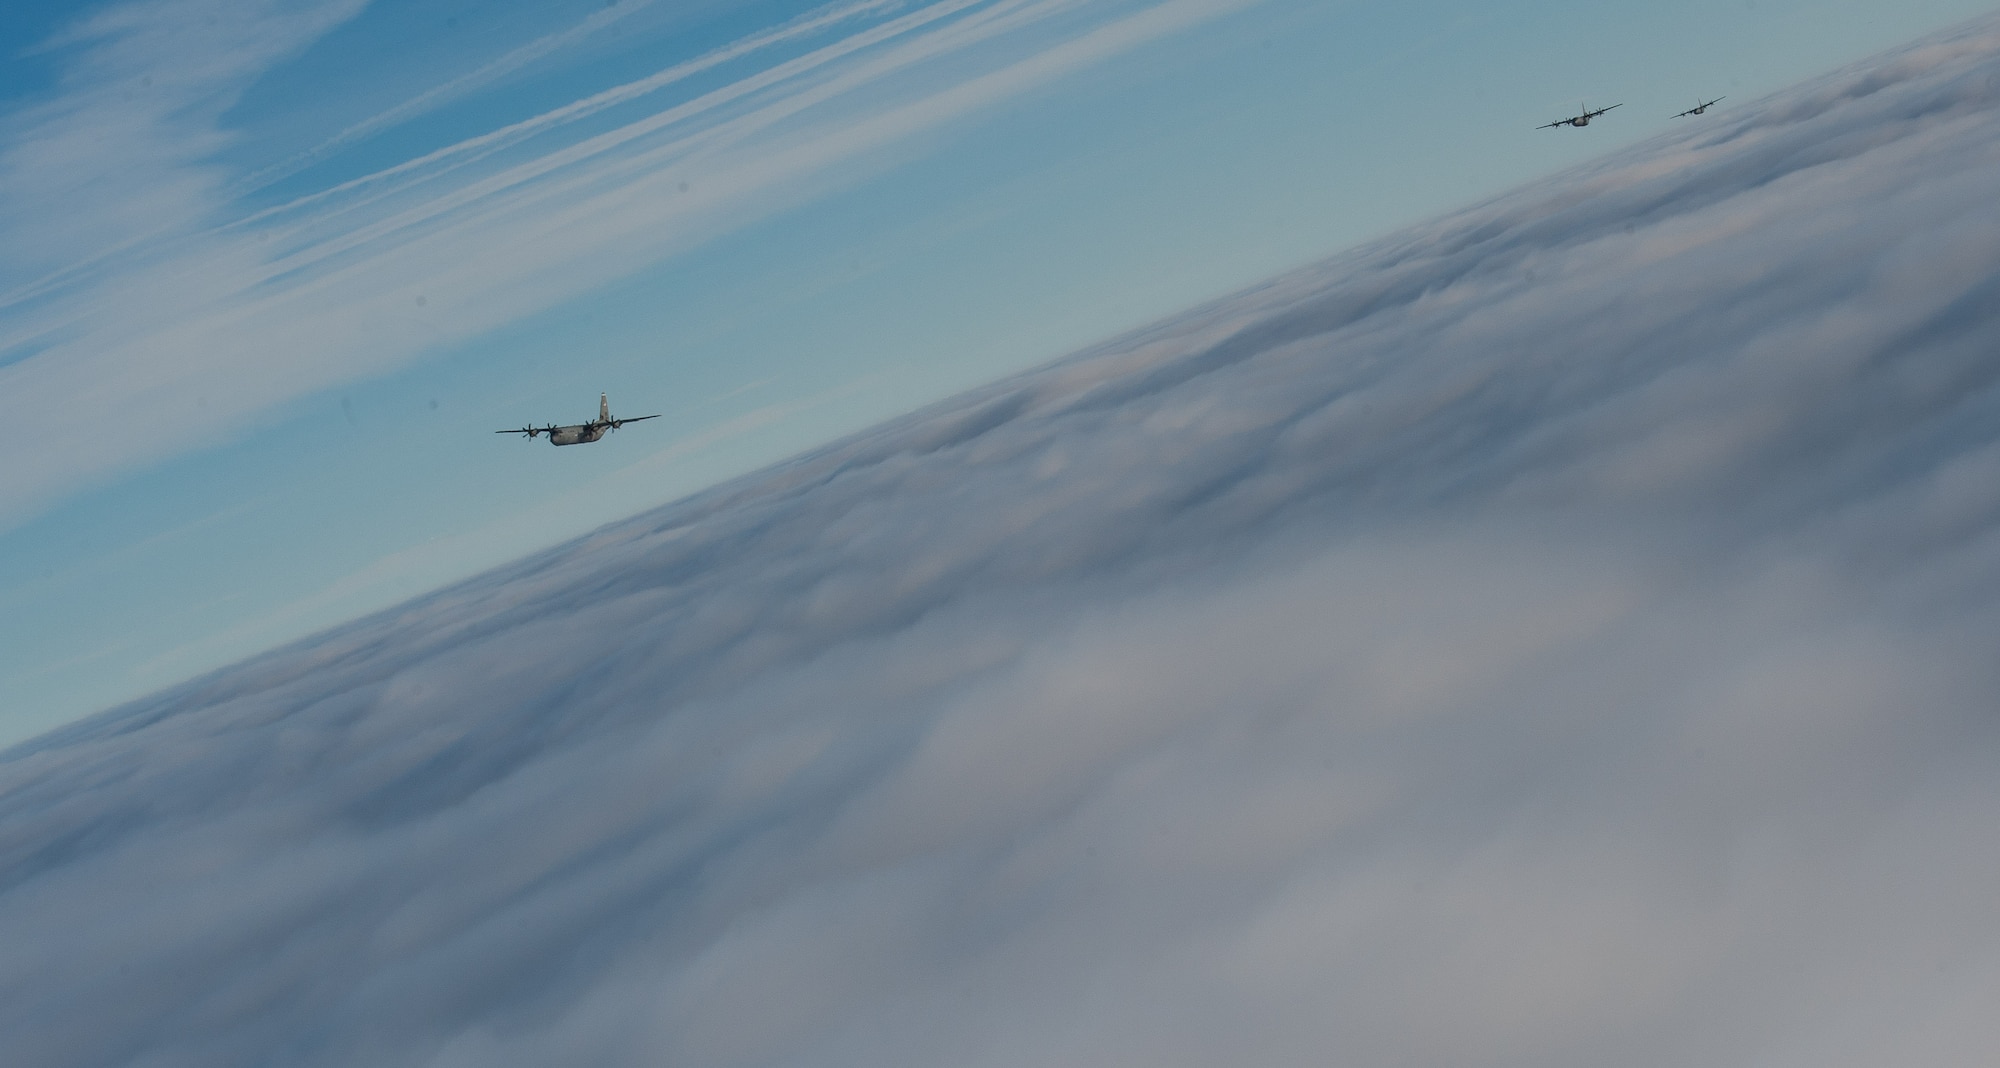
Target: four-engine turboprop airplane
x: 1697, y: 109
x: 1579, y: 120
x: 581, y: 432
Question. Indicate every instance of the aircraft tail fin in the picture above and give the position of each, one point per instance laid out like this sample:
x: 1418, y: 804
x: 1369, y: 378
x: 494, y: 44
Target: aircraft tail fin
x: 604, y: 407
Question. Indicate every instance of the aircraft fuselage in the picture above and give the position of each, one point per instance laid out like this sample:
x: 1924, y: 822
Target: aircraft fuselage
x: 580, y: 434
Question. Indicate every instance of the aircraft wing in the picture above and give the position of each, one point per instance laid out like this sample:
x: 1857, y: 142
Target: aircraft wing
x: 1558, y: 122
x: 616, y: 423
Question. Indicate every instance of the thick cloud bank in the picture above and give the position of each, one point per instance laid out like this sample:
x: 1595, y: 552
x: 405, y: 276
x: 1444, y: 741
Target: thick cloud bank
x: 1560, y: 635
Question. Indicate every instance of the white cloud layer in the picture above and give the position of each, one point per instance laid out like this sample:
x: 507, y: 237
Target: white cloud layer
x: 1558, y: 635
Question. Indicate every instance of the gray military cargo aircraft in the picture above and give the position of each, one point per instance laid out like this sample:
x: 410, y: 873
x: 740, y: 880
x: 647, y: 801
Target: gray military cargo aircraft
x: 1698, y: 109
x: 581, y: 432
x: 1579, y: 120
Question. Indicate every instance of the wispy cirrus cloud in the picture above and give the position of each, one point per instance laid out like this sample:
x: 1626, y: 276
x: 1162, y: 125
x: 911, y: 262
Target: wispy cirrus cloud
x: 1559, y: 634
x: 485, y: 144
x: 192, y: 303
x: 509, y: 63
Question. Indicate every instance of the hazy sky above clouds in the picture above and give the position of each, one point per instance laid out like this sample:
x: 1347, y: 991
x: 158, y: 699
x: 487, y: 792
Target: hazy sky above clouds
x: 1559, y: 633
x: 273, y: 272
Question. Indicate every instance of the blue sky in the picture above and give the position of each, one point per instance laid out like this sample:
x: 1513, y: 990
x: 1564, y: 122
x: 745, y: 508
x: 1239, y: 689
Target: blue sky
x: 273, y: 272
